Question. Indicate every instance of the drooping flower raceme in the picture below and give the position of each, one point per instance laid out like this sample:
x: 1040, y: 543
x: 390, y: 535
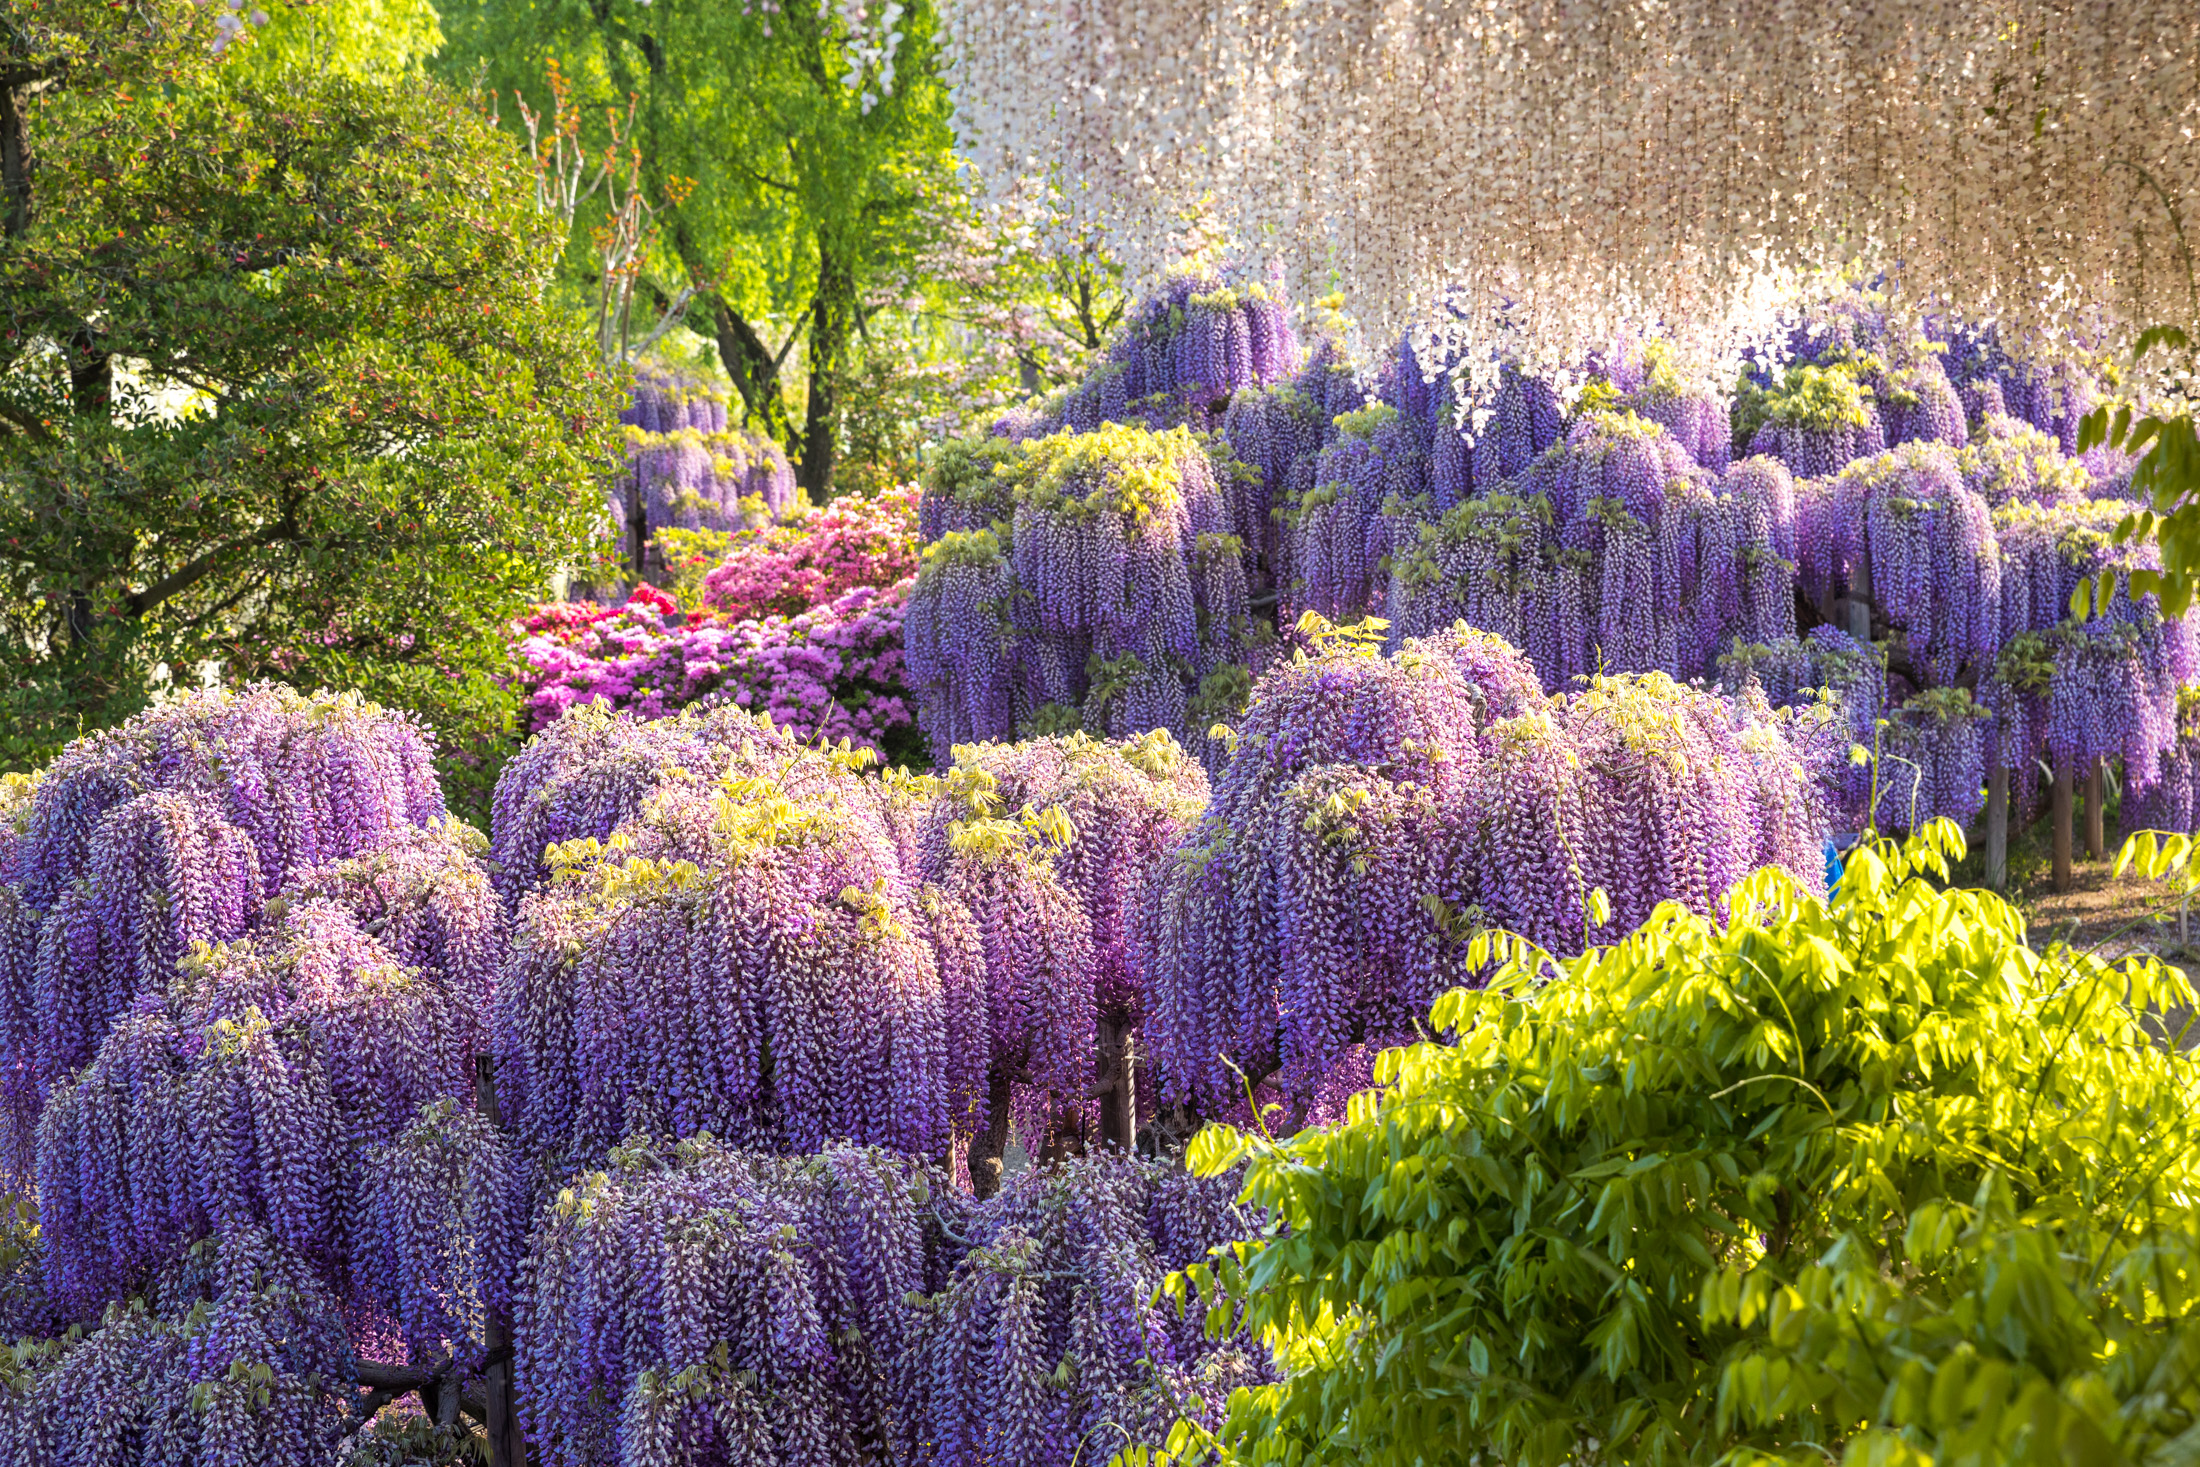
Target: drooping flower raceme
x: 1106, y: 594
x: 174, y: 829
x: 251, y: 1098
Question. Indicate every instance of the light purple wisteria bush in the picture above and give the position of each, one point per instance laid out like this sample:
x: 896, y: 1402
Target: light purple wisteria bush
x: 1375, y: 811
x: 172, y: 830
x: 695, y: 1302
x: 686, y: 470
x: 1078, y: 580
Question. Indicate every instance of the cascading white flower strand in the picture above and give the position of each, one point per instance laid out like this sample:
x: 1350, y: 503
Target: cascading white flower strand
x: 1553, y: 168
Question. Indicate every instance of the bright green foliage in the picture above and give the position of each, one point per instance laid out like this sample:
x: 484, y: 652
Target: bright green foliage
x: 1867, y: 1182
x: 789, y: 153
x: 2166, y: 478
x: 281, y: 394
x: 373, y: 40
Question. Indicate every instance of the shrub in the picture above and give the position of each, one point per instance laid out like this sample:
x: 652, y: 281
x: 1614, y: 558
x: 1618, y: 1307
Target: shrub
x: 784, y: 570
x: 1866, y: 1179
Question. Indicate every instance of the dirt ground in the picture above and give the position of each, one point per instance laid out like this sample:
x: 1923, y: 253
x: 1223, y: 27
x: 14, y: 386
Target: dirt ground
x: 2125, y: 912
x: 2120, y: 916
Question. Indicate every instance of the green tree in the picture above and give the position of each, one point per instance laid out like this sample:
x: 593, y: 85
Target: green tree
x: 372, y: 40
x: 789, y: 154
x: 282, y: 392
x: 1867, y: 1181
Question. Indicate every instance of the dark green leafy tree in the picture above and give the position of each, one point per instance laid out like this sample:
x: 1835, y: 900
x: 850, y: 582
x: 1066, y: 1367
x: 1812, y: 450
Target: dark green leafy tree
x: 282, y: 392
x: 1870, y: 1181
x: 789, y: 153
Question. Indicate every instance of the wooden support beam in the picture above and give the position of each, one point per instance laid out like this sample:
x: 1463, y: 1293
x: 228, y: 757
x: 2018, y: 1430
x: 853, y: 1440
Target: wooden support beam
x: 1997, y: 828
x: 2066, y: 779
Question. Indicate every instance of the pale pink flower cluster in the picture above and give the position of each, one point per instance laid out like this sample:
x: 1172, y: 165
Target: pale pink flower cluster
x: 785, y: 569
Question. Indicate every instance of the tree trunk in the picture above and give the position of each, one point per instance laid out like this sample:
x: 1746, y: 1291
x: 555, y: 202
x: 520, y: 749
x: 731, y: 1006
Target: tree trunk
x: 1118, y: 1080
x: 507, y: 1441
x: 15, y: 161
x: 2096, y: 811
x: 986, y: 1147
x: 2066, y: 777
x: 1860, y: 606
x: 748, y: 361
x: 832, y: 327
x: 1997, y: 828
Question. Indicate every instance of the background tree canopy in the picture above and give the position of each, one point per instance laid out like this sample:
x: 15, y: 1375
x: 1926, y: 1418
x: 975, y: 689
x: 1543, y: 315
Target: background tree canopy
x: 794, y: 156
x: 281, y: 387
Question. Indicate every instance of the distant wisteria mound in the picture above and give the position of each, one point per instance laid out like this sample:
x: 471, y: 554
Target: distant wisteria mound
x: 1615, y: 551
x: 688, y: 471
x: 1081, y: 579
x: 702, y: 1303
x: 1376, y: 811
x: 1188, y: 347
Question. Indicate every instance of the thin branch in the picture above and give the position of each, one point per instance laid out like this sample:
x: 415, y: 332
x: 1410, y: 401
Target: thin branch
x: 182, y: 580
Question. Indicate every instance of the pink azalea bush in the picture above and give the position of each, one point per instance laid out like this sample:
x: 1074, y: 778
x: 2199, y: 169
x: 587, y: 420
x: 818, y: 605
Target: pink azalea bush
x: 832, y: 671
x: 785, y: 569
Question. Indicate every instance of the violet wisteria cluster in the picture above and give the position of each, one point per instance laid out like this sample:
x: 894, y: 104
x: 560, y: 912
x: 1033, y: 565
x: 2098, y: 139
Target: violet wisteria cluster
x: 1377, y: 811
x: 693, y: 1302
x: 329, y: 1048
x: 687, y: 470
x: 175, y: 829
x: 1208, y: 332
x: 1614, y: 550
x: 720, y: 929
x: 1078, y: 580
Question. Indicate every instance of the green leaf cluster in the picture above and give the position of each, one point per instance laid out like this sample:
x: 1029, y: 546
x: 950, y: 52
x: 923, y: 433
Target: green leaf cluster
x: 1868, y: 1180
x: 2166, y: 479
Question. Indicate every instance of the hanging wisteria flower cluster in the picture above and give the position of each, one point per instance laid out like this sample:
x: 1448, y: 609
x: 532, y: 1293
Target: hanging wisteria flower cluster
x: 701, y: 1303
x: 1079, y: 579
x: 740, y: 934
x: 1565, y: 172
x: 1377, y: 810
x: 245, y: 1025
x: 175, y: 829
x: 1603, y: 519
x: 1207, y: 333
x: 688, y: 471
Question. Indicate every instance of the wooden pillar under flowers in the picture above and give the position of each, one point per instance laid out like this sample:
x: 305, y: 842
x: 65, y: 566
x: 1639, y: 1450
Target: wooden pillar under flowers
x: 1997, y: 828
x: 2066, y: 777
x: 2096, y: 811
